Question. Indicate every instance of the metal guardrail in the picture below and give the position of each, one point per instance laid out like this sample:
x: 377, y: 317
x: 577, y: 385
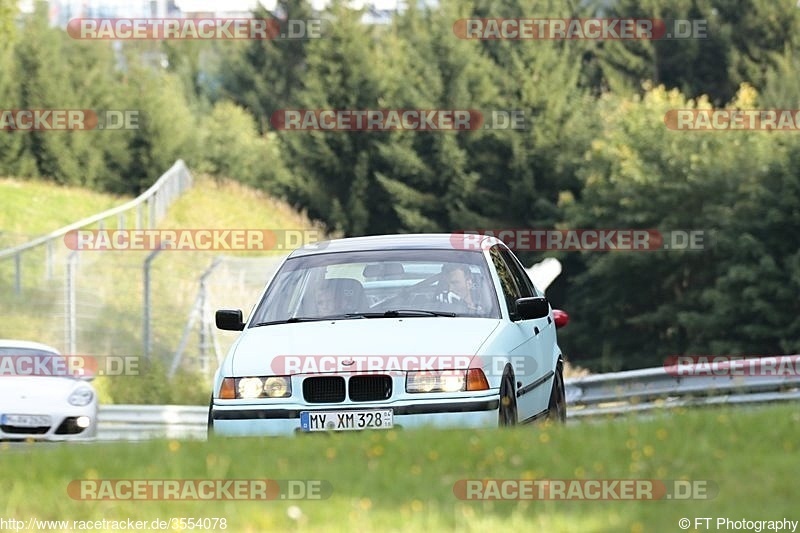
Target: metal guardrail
x: 143, y: 422
x: 630, y: 392
x: 754, y: 380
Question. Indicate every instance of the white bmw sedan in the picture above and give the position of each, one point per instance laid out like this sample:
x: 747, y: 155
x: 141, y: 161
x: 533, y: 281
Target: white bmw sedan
x: 39, y: 396
x: 391, y: 331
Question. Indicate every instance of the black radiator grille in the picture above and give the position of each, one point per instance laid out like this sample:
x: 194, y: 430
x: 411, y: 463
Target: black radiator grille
x: 324, y: 389
x: 370, y: 388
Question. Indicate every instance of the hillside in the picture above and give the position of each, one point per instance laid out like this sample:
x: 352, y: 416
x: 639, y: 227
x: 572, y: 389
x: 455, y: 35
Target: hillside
x: 109, y: 295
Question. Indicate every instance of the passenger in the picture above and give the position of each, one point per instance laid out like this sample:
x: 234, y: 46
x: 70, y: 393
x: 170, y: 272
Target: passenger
x: 326, y: 300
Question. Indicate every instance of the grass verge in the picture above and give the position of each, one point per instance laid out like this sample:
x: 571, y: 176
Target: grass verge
x: 30, y: 208
x: 403, y: 480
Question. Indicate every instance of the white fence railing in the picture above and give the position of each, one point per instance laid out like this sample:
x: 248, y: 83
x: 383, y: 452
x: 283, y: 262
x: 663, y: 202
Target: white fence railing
x: 150, y: 207
x: 766, y: 380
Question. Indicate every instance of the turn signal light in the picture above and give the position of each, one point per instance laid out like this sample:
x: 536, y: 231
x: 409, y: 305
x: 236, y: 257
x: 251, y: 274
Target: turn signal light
x: 476, y: 380
x: 227, y: 391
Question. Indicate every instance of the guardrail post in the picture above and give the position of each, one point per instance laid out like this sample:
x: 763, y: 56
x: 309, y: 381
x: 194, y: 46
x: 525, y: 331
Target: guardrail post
x: 48, y: 262
x: 18, y: 273
x: 151, y: 203
x: 70, y: 314
x: 146, y: 333
x: 203, y: 341
x: 121, y: 221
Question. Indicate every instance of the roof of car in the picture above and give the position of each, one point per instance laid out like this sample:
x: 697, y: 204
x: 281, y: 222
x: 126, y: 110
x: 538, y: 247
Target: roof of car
x: 13, y: 343
x: 416, y: 241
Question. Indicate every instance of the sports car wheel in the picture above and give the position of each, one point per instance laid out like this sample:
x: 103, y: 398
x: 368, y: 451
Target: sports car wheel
x: 508, y: 401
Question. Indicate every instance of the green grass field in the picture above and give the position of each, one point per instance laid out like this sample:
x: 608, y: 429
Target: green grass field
x: 403, y: 480
x: 30, y: 208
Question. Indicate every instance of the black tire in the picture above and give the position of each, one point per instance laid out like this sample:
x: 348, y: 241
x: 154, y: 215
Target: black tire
x: 210, y: 418
x: 508, y: 401
x: 557, y: 408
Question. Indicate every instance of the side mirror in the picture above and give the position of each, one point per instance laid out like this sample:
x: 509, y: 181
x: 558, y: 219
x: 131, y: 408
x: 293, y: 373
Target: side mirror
x: 530, y: 308
x: 561, y: 318
x: 229, y: 319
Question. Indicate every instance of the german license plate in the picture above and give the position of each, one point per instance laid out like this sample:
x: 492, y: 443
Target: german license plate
x: 25, y: 421
x: 346, y: 420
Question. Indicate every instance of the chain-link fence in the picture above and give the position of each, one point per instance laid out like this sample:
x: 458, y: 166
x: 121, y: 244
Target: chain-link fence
x: 83, y: 302
x: 151, y: 304
x: 230, y: 283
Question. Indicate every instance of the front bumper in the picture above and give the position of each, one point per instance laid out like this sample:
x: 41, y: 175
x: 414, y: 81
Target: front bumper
x: 63, y: 427
x: 284, y: 419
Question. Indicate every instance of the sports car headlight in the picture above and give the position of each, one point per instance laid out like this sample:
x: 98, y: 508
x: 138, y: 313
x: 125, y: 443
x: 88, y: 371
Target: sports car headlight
x: 81, y: 396
x: 256, y: 387
x: 436, y: 381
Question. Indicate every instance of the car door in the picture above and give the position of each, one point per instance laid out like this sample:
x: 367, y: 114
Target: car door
x: 544, y: 338
x: 520, y: 335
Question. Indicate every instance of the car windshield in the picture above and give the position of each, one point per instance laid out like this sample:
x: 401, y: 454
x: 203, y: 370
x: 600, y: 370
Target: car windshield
x: 6, y: 351
x: 31, y: 362
x: 383, y: 283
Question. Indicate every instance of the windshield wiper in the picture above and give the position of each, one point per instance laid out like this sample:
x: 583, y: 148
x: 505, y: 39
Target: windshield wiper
x: 295, y: 319
x: 289, y: 321
x: 394, y: 313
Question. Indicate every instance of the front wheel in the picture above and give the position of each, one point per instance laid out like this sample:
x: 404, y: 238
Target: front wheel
x: 557, y: 408
x: 508, y: 402
x: 210, y: 418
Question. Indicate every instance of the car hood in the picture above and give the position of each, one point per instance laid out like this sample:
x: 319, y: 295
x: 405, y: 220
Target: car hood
x: 16, y: 388
x: 259, y: 347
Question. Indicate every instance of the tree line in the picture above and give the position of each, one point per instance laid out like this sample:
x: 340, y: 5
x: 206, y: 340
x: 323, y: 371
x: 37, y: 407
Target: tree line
x: 595, y: 152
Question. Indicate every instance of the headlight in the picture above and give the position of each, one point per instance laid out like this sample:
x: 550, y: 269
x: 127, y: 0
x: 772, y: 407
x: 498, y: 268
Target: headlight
x: 81, y: 396
x: 436, y: 381
x: 250, y: 388
x: 277, y: 387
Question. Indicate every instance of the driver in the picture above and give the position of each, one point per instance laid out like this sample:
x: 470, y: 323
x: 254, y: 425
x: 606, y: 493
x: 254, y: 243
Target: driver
x: 459, y: 287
